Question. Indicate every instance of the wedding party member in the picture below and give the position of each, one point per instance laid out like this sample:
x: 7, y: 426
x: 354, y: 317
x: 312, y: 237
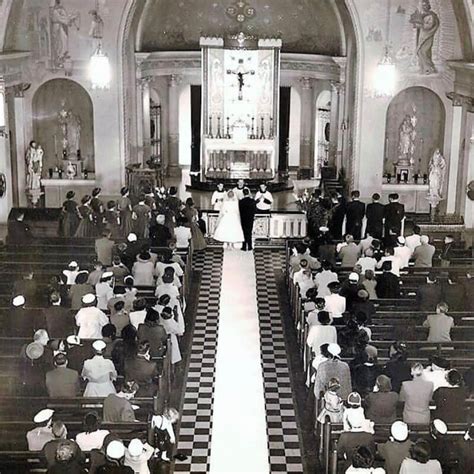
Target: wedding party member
x: 98, y: 209
x: 218, y: 197
x: 229, y: 228
x: 355, y: 212
x: 191, y: 214
x: 394, y: 213
x: 112, y: 220
x: 374, y: 214
x: 124, y: 207
x: 69, y: 219
x: 247, y: 208
x: 239, y: 189
x: 141, y: 216
x: 86, y: 227
x: 264, y: 199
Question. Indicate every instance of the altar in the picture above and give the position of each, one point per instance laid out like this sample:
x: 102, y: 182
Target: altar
x: 240, y: 108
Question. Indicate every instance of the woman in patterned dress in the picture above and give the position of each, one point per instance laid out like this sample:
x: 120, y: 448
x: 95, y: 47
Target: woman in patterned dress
x: 191, y: 214
x: 69, y: 219
x: 86, y: 227
x: 124, y: 207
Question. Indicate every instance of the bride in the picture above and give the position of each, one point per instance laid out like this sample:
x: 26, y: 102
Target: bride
x: 229, y: 228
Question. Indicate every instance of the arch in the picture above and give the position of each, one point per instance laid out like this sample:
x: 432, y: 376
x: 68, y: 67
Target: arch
x: 47, y: 102
x: 430, y: 113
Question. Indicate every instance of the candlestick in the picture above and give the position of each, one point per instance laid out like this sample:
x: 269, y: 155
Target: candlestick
x: 227, y: 135
x: 262, y: 129
x: 218, y: 127
x: 270, y: 135
x: 210, y: 126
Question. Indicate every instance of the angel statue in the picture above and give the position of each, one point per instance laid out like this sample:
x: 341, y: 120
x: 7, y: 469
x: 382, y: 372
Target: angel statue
x: 437, y: 175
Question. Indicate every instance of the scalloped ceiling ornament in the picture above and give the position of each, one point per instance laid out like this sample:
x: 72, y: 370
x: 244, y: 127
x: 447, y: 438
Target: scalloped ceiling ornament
x: 240, y: 11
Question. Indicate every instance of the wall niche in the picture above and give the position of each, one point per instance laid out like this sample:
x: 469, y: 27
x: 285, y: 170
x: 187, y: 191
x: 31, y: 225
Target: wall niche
x: 415, y: 121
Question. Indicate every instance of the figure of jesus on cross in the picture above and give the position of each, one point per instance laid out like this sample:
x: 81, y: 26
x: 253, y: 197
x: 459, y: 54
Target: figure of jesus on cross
x: 240, y: 73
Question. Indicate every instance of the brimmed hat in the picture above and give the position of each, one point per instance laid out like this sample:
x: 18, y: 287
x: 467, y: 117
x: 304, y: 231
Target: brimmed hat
x: 89, y: 298
x: 399, y: 431
x: 99, y: 345
x: 73, y: 264
x: 70, y: 194
x: 363, y: 294
x: 34, y: 350
x: 106, y: 276
x: 19, y: 300
x: 96, y: 192
x: 135, y: 447
x: 73, y: 340
x: 440, y: 362
x: 115, y: 450
x: 43, y: 415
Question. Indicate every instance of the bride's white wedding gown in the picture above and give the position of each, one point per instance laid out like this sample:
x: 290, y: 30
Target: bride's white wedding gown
x: 229, y: 228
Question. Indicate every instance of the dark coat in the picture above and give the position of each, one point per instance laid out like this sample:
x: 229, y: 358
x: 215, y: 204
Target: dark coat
x: 451, y: 404
x: 247, y: 207
x: 388, y: 285
x: 143, y: 372
x: 394, y: 212
x: 355, y: 211
x: 59, y: 322
x: 375, y: 213
x: 160, y: 235
x: 62, y: 382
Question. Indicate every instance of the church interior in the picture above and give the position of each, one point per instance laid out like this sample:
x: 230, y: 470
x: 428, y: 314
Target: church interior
x: 236, y: 236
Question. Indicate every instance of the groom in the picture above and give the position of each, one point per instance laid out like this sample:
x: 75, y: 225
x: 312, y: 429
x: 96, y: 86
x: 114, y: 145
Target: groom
x: 247, y: 207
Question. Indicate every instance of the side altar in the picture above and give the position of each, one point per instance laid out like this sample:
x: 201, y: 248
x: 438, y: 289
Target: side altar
x: 240, y: 109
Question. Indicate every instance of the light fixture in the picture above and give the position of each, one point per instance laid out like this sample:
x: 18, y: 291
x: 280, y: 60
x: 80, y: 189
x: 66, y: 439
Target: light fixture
x: 386, y: 74
x: 99, y: 69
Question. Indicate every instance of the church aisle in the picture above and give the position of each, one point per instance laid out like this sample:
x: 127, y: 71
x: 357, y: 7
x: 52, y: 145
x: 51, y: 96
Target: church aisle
x: 239, y: 436
x: 284, y: 443
x: 194, y: 438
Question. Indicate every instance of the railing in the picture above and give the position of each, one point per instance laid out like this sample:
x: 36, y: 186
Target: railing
x: 276, y: 225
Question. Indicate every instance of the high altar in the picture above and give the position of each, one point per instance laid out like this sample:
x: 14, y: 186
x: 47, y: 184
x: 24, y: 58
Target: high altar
x: 240, y: 97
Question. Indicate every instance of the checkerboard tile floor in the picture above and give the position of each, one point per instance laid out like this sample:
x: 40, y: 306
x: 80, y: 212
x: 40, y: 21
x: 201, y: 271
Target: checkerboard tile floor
x: 195, y: 432
x: 282, y: 430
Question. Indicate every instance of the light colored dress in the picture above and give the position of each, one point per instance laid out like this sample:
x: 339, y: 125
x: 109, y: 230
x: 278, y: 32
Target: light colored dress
x: 91, y: 320
x: 174, y: 329
x: 229, y: 227
x: 100, y: 373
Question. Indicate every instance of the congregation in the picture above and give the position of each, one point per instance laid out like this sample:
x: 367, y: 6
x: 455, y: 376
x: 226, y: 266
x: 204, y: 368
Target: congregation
x: 344, y: 279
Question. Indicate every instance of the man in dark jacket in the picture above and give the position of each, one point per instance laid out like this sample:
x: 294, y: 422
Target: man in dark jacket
x: 447, y: 251
x: 60, y: 322
x: 160, y: 235
x: 117, y: 406
x: 388, y: 284
x: 374, y: 214
x: 247, y: 209
x: 143, y: 370
x: 394, y: 213
x: 429, y: 294
x: 355, y: 211
x: 62, y: 382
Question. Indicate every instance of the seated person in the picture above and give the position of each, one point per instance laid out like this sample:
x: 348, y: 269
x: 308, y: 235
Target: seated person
x: 439, y: 324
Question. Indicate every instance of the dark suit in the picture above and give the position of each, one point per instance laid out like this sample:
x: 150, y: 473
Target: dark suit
x: 117, y: 409
x: 62, y: 382
x: 355, y: 211
x: 59, y: 322
x: 247, y: 209
x: 388, y: 285
x: 428, y: 296
x: 76, y: 355
x: 143, y: 372
x: 394, y: 213
x: 160, y: 235
x: 104, y: 250
x: 375, y: 213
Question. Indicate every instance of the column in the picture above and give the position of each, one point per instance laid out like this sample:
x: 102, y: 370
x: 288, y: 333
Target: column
x: 5, y: 162
x: 455, y: 152
x: 306, y: 125
x: 21, y: 140
x: 336, y: 88
x: 468, y: 209
x: 174, y: 169
x: 144, y: 119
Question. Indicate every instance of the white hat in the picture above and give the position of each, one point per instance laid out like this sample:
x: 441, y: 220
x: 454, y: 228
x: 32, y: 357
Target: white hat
x: 99, y: 345
x: 401, y: 240
x: 399, y: 431
x: 354, y: 276
x: 355, y: 418
x: 132, y: 237
x: 440, y: 426
x: 18, y: 301
x: 34, y: 350
x: 88, y: 299
x: 334, y: 349
x: 73, y: 264
x: 43, y: 415
x: 135, y: 447
x: 73, y: 340
x: 107, y: 275
x: 323, y: 228
x: 115, y: 450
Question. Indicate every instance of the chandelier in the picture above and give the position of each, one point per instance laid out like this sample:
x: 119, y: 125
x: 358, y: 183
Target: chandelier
x: 99, y: 69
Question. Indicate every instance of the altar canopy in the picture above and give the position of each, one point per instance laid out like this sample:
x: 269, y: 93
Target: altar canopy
x: 240, y: 107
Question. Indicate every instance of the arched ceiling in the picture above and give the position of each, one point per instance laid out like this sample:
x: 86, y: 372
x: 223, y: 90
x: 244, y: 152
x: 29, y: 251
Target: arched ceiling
x: 305, y: 26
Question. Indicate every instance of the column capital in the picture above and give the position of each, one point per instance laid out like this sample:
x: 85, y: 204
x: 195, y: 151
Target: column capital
x: 460, y: 100
x: 175, y: 80
x: 336, y: 86
x: 20, y: 89
x: 306, y: 83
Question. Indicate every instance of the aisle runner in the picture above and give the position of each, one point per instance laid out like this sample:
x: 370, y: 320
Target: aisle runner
x: 196, y: 422
x: 239, y: 439
x: 283, y: 441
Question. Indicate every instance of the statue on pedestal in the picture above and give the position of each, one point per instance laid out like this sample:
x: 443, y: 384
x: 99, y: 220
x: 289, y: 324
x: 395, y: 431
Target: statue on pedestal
x: 34, y: 168
x: 406, y: 140
x: 437, y: 175
x: 70, y: 127
x: 427, y: 24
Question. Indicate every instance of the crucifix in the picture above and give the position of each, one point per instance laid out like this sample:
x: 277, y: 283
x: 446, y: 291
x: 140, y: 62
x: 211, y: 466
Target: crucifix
x: 240, y: 73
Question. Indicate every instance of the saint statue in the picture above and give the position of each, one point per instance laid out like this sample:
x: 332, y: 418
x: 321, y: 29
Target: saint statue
x: 70, y: 127
x: 437, y: 175
x: 34, y: 166
x: 406, y: 140
x: 427, y: 24
x: 61, y: 21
